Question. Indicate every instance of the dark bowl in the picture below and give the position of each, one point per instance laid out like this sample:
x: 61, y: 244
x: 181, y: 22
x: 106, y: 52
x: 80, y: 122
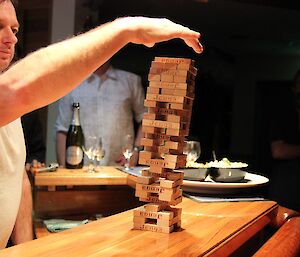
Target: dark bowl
x: 195, y: 174
x: 226, y: 174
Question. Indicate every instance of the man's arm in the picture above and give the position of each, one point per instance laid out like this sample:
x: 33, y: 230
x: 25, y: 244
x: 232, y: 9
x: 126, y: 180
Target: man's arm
x: 61, y: 138
x: 283, y: 151
x: 23, y: 230
x: 49, y: 73
x: 137, y: 143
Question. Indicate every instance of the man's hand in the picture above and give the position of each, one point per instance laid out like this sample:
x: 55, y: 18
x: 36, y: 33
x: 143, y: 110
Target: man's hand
x: 149, y: 31
x: 33, y: 166
x: 133, y: 159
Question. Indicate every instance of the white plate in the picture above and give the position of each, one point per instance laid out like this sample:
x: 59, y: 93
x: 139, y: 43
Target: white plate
x: 252, y: 180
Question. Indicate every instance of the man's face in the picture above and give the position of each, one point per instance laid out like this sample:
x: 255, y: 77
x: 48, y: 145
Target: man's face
x: 9, y: 26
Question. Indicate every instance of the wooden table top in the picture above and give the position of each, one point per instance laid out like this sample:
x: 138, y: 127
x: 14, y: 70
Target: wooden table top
x: 208, y: 229
x: 107, y: 175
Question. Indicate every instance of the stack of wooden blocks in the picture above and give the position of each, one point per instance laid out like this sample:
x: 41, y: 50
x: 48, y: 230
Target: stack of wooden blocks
x: 169, y: 100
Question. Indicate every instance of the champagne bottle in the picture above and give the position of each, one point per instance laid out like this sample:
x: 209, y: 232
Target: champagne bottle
x: 75, y: 141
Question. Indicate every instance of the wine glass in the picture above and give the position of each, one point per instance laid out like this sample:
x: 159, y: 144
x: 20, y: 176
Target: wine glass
x: 193, y: 150
x: 99, y: 152
x: 127, y: 150
x: 89, y: 148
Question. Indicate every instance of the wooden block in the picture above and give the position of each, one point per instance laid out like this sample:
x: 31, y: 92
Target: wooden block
x: 168, y: 195
x: 141, y: 212
x: 174, y: 145
x: 161, y: 124
x: 146, y: 142
x: 153, y: 130
x: 175, y: 175
x: 153, y: 188
x: 170, y: 66
x: 145, y: 180
x: 178, y: 92
x: 173, y: 60
x: 184, y: 79
x: 165, y: 111
x: 155, y: 64
x: 170, y: 183
x: 147, y: 155
x: 157, y: 169
x: 149, y: 116
x: 176, y: 132
x: 175, y: 118
x: 145, y: 172
x: 161, y: 215
x: 167, y: 91
x: 168, y: 223
x: 164, y: 137
x: 175, y: 158
x: 180, y: 79
x: 148, y: 103
x: 154, y: 116
x: 184, y: 86
x: 160, y: 163
x: 139, y: 220
x: 183, y: 66
x: 189, y: 94
x: 154, y: 77
x: 166, y: 78
x: 155, y: 199
x: 165, y: 98
x: 153, y: 90
x: 166, y: 71
x: 153, y: 228
x: 154, y: 207
x: 162, y: 85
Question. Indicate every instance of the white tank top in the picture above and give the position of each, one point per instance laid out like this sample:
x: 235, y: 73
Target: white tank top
x: 12, y: 161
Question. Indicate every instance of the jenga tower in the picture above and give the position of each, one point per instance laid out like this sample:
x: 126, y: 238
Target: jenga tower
x: 169, y: 100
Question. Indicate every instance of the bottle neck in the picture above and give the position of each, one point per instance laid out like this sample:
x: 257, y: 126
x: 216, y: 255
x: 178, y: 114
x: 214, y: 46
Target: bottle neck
x: 75, y: 118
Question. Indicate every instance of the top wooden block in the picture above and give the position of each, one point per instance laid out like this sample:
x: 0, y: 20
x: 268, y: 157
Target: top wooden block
x: 174, y: 60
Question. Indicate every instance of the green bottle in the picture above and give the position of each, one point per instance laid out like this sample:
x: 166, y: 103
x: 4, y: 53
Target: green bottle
x: 75, y: 141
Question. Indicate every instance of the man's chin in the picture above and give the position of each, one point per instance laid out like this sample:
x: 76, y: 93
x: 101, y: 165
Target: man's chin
x: 4, y: 63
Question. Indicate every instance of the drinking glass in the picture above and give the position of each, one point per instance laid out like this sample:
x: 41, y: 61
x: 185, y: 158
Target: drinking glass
x: 99, y: 153
x: 193, y: 150
x: 89, y: 148
x: 127, y: 150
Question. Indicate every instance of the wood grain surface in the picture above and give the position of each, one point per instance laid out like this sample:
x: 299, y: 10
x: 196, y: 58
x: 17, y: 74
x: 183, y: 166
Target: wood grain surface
x: 63, y: 177
x: 208, y: 229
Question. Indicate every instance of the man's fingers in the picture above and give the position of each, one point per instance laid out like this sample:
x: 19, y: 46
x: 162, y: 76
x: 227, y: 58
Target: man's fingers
x: 195, y: 44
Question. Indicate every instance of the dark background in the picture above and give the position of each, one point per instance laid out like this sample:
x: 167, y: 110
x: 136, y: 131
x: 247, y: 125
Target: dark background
x: 251, y: 53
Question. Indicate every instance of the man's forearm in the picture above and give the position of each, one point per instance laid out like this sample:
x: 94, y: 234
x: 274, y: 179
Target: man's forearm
x: 51, y: 72
x: 61, y: 138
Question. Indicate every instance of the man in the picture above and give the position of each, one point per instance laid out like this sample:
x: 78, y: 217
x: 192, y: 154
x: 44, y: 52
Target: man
x: 109, y: 101
x: 48, y: 74
x: 285, y: 148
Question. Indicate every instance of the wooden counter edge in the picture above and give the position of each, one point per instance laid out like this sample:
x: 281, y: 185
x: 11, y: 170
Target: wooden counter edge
x: 232, y: 243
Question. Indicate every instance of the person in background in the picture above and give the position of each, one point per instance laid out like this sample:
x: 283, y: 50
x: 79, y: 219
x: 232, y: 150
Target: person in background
x: 46, y: 75
x: 110, y: 100
x: 285, y: 148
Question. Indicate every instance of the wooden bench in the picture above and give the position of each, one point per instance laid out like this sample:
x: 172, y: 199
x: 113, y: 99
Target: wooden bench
x: 77, y: 195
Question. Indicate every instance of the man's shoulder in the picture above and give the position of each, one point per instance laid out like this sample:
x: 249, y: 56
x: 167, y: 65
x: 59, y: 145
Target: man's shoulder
x: 124, y: 73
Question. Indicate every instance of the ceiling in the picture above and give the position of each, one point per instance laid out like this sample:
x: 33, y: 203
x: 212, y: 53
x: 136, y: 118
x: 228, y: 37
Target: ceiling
x: 229, y: 27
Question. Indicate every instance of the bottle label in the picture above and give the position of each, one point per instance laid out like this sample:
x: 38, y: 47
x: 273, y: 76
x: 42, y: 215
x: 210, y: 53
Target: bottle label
x: 74, y: 155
